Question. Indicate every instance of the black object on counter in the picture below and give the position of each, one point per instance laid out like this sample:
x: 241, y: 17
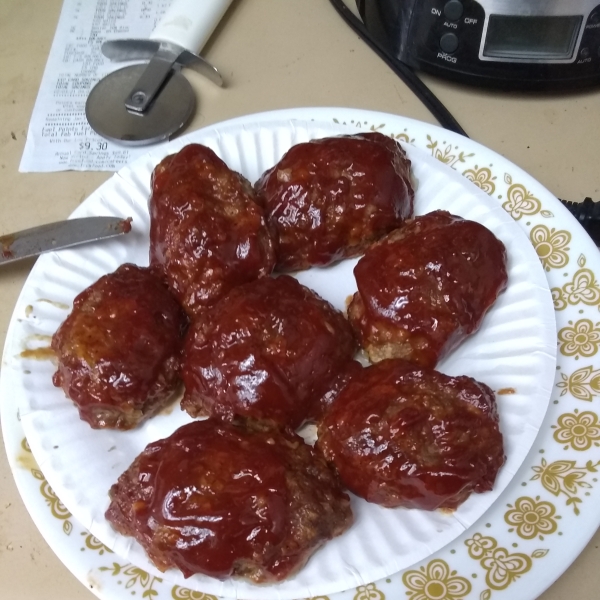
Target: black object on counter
x: 406, y: 74
x: 588, y: 215
x: 586, y: 212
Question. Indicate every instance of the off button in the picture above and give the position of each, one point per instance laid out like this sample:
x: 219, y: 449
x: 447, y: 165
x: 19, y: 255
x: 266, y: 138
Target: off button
x: 449, y: 42
x: 453, y: 10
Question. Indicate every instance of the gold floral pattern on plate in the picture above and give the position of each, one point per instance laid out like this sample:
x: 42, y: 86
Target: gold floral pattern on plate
x: 583, y: 289
x: 583, y: 384
x: 551, y: 245
x: 449, y: 155
x: 181, y: 593
x: 501, y: 566
x: 532, y: 517
x: 578, y: 430
x: 519, y: 201
x: 94, y: 544
x: 369, y: 592
x: 435, y: 581
x: 132, y: 577
x: 566, y: 478
x: 581, y: 338
x: 482, y: 178
x: 568, y: 469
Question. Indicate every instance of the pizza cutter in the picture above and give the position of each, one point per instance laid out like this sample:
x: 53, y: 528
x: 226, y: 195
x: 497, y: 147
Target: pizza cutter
x: 147, y: 103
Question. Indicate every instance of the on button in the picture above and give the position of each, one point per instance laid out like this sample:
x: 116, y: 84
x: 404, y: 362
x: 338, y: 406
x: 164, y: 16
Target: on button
x: 449, y: 42
x: 453, y: 10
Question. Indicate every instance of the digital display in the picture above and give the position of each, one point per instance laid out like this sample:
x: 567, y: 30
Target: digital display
x: 542, y: 38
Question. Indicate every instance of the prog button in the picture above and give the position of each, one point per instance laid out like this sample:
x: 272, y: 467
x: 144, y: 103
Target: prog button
x: 449, y: 42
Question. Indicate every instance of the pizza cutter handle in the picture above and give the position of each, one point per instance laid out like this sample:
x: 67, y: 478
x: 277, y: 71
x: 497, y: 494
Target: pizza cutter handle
x: 189, y: 23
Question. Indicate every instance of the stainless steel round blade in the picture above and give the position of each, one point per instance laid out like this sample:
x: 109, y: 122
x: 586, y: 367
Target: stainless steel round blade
x: 170, y: 111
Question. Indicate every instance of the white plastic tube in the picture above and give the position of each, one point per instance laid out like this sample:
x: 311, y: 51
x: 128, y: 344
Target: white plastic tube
x: 189, y: 23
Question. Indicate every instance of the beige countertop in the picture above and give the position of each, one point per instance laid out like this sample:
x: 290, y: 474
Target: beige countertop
x: 274, y: 54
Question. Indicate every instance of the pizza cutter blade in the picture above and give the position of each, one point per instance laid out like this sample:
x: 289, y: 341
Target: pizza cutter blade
x: 147, y: 103
x: 169, y: 112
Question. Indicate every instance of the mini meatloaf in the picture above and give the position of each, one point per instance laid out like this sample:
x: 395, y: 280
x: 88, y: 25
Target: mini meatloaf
x: 222, y: 500
x: 119, y: 349
x: 266, y: 351
x: 425, y: 287
x: 329, y: 198
x: 401, y: 435
x: 206, y: 230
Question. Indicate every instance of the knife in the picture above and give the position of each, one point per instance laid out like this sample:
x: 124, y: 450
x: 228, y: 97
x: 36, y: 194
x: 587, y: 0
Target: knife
x: 62, y: 234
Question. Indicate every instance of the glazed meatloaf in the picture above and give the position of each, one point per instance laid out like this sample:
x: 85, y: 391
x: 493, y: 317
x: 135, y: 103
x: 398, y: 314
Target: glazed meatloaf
x: 266, y: 351
x: 206, y: 231
x: 324, y: 402
x: 327, y: 199
x: 119, y: 349
x: 221, y: 500
x: 425, y: 287
x: 401, y: 435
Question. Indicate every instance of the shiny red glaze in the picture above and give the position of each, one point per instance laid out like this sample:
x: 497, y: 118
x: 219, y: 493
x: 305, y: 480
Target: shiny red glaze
x: 266, y: 351
x: 425, y: 287
x: 333, y: 390
x: 222, y: 500
x: 207, y: 231
x: 327, y: 199
x: 401, y: 435
x: 119, y: 349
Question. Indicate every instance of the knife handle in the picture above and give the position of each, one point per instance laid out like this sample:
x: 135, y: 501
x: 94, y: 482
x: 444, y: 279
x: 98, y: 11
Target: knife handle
x: 189, y: 23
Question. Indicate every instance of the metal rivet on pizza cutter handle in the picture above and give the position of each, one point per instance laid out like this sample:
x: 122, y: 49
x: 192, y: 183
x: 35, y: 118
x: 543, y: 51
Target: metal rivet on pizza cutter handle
x: 147, y: 103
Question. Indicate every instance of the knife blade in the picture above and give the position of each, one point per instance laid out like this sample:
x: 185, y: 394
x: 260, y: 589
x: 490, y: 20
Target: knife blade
x: 59, y: 235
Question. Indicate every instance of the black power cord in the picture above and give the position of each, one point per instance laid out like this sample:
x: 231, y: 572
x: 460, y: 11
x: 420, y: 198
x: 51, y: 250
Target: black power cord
x: 586, y: 212
x: 408, y: 76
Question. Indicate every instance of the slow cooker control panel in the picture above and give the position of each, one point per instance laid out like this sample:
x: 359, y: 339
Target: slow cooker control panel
x: 445, y: 37
x: 451, y: 31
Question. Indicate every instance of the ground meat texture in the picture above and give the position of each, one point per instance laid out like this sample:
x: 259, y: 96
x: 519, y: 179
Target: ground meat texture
x: 119, y: 349
x: 401, y: 435
x: 267, y: 351
x: 425, y: 287
x: 206, y: 230
x: 221, y: 500
x: 327, y: 199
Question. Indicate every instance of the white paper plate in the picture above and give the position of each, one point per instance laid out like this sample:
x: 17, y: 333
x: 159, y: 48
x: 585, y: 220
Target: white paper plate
x: 515, y: 349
